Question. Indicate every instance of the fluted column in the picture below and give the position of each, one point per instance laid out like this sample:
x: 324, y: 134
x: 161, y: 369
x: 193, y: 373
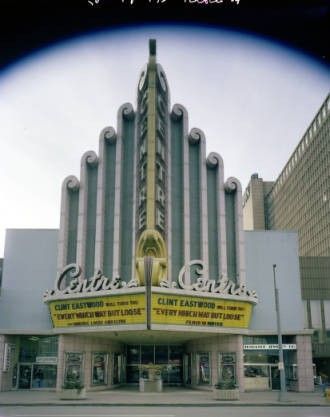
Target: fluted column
x: 197, y: 137
x: 169, y: 201
x: 233, y: 185
x: 135, y: 202
x: 125, y: 112
x: 214, y: 160
x: 89, y: 158
x: 70, y: 184
x: 108, y: 135
x: 179, y: 112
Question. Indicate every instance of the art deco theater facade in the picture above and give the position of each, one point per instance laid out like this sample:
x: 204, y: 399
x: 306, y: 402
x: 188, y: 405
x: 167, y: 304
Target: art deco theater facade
x: 151, y: 271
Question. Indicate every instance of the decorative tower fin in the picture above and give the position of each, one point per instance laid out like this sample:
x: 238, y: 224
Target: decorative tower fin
x: 152, y: 168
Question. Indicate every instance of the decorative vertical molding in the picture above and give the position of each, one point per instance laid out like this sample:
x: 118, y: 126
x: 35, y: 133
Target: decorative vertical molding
x: 89, y: 158
x: 70, y: 183
x: 178, y: 112
x: 108, y: 134
x: 116, y: 228
x: 214, y: 160
x: 186, y: 190
x: 134, y: 198
x: 169, y: 197
x: 197, y: 136
x: 323, y: 324
x: 125, y: 112
x: 233, y: 185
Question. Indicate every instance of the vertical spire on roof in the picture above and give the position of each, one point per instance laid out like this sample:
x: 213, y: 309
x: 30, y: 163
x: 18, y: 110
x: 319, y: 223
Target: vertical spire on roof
x: 152, y: 47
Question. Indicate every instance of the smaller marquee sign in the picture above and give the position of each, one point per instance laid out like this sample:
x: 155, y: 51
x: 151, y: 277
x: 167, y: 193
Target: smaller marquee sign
x: 187, y: 310
x: 99, y: 311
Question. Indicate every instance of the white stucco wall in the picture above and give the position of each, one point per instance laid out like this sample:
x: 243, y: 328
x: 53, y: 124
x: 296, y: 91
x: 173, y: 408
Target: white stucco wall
x: 263, y: 250
x: 29, y: 269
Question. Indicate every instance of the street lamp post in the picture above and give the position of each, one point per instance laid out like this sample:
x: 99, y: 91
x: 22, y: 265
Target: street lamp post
x: 281, y: 396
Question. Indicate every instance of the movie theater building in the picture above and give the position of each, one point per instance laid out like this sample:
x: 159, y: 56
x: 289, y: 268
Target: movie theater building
x: 150, y: 278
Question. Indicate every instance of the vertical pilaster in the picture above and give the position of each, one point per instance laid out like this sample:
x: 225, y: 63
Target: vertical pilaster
x: 176, y: 242
x: 127, y: 187
x: 169, y: 200
x: 135, y: 199
x: 117, y: 196
x: 234, y: 186
x: 304, y: 363
x: 70, y: 184
x: 186, y: 197
x: 89, y: 158
x: 214, y: 161
x: 108, y: 134
x: 197, y: 137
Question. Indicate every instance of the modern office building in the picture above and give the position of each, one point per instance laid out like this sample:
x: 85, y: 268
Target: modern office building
x: 150, y: 279
x: 300, y: 200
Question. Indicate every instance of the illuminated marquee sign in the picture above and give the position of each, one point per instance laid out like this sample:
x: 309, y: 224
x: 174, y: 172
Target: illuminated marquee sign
x: 185, y: 310
x: 99, y: 311
x: 101, y: 301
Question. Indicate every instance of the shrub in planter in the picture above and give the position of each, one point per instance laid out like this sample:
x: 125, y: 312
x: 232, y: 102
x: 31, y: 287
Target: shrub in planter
x: 226, y: 385
x: 72, y: 383
x: 72, y: 389
x: 226, y: 390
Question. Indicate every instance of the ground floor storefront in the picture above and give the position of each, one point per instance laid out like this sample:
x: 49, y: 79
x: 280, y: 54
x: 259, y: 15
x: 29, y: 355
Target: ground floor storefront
x: 103, y: 361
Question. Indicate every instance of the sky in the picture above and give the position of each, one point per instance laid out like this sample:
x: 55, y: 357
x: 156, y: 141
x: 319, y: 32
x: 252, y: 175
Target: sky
x: 253, y: 98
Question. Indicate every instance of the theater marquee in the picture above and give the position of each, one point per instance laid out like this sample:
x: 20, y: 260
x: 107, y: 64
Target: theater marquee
x: 112, y: 310
x: 199, y: 311
x: 112, y: 302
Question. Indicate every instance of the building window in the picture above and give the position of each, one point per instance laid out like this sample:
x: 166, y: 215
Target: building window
x: 73, y: 368
x: 204, y: 369
x: 99, y: 368
x: 32, y: 348
x: 227, y: 368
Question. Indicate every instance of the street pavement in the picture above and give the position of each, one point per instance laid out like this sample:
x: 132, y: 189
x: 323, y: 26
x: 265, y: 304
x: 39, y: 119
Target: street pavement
x: 181, y: 397
x: 168, y: 411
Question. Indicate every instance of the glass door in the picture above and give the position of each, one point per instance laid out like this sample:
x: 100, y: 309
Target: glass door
x: 119, y: 365
x: 24, y: 376
x: 275, y: 377
x: 166, y: 359
x: 187, y: 368
x: 116, y: 368
x: 44, y: 376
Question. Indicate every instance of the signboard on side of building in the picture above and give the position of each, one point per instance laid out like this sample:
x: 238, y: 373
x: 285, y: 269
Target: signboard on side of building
x: 9, y: 352
x: 99, y: 311
x: 46, y: 360
x: 273, y: 346
x: 189, y: 310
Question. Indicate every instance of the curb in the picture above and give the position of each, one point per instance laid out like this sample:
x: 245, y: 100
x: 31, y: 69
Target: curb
x: 215, y: 404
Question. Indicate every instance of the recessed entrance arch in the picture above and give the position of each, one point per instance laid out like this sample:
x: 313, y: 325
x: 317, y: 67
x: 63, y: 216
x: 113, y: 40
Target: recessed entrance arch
x: 167, y: 359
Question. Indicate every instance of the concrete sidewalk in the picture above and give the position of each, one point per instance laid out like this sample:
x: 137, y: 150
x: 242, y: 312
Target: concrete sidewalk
x: 170, y: 396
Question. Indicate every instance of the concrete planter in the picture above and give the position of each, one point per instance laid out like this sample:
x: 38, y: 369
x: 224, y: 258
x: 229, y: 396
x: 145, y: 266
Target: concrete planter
x: 72, y: 394
x: 327, y: 394
x: 146, y: 385
x: 226, y: 394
